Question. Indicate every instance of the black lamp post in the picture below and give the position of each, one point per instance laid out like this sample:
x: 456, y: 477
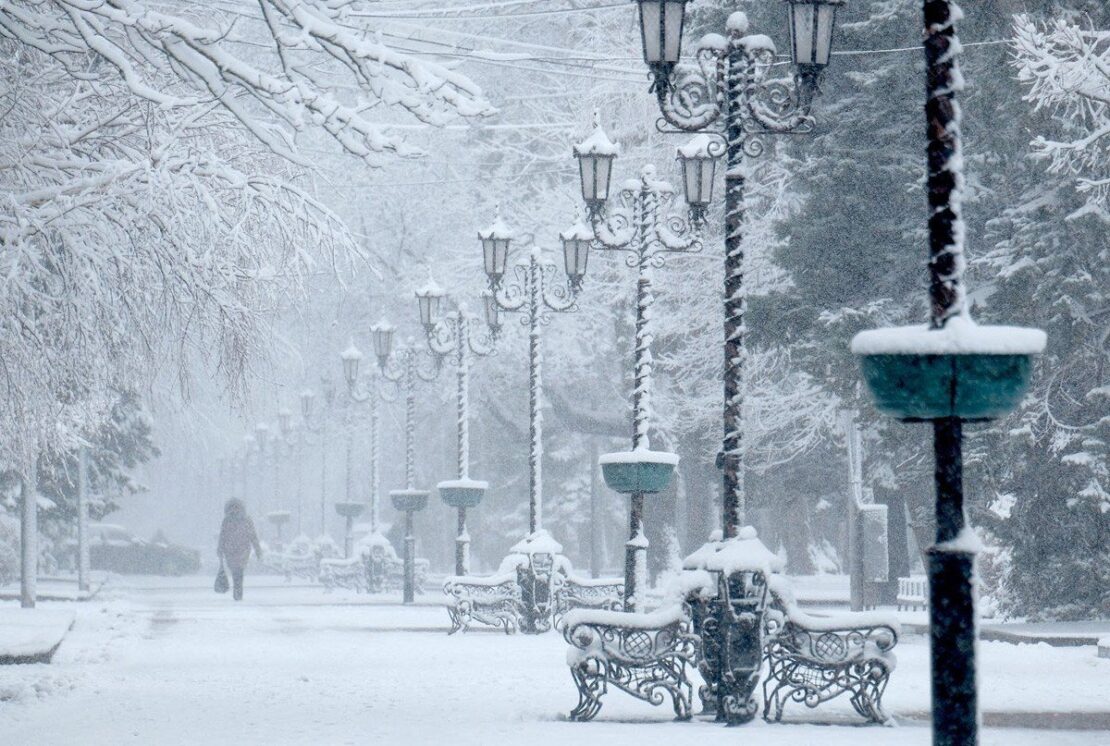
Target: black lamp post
x: 532, y: 295
x: 948, y: 372
x: 401, y: 366
x: 448, y: 334
x: 645, y: 227
x: 317, y: 422
x: 728, y: 93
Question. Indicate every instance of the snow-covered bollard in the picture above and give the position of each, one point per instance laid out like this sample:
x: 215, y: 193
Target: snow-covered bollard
x: 947, y: 373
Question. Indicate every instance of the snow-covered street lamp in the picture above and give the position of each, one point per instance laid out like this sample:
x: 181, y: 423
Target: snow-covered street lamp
x: 495, y: 248
x: 454, y: 334
x: 317, y: 421
x: 595, y: 157
x: 729, y: 93
x: 400, y: 366
x: 661, y: 23
x: 531, y: 295
x: 644, y: 226
x: 811, y: 30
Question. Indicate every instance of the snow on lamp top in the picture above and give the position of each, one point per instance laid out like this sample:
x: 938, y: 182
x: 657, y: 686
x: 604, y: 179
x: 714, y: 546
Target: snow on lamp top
x: 595, y: 157
x: 598, y: 143
x: 495, y: 246
x: 351, y: 358
x: 429, y: 298
x: 759, y: 43
x: 538, y: 542
x: 959, y: 336
x: 699, y: 169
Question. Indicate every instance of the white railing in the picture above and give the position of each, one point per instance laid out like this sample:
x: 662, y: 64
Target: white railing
x: 913, y: 592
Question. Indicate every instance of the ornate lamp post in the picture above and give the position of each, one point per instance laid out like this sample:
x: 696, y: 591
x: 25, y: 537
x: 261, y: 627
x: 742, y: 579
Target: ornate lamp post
x: 447, y: 334
x: 644, y: 226
x: 293, y: 439
x: 530, y: 295
x: 317, y: 422
x: 250, y: 446
x: 405, y: 374
x: 728, y: 92
x: 352, y: 359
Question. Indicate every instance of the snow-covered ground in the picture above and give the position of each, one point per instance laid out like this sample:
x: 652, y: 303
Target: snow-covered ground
x: 166, y: 661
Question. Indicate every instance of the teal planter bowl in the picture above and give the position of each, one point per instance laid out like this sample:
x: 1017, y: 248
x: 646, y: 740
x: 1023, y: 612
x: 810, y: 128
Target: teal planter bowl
x: 922, y: 387
x: 350, y: 510
x: 407, y: 500
x: 643, y: 477
x: 462, y: 497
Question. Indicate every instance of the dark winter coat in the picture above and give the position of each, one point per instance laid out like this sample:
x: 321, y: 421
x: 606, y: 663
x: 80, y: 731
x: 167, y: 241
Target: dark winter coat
x: 237, y: 536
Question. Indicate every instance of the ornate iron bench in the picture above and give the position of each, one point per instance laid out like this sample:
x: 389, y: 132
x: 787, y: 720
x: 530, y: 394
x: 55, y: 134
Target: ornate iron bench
x: 347, y: 573
x: 299, y: 560
x: 644, y: 655
x: 815, y: 659
x: 494, y: 601
x: 587, y: 593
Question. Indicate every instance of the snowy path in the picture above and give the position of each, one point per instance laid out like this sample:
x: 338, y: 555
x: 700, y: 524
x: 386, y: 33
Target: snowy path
x: 179, y: 665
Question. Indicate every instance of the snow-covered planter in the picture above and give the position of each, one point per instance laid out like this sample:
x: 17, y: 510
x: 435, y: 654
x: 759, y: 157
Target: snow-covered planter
x: 278, y: 517
x: 964, y: 370
x: 638, y: 471
x: 409, y: 500
x: 462, y: 493
x: 349, y: 510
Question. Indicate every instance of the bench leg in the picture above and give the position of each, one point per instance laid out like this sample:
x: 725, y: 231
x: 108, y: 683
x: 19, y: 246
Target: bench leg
x: 591, y: 685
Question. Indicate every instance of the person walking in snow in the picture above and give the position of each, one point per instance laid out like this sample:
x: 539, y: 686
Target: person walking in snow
x: 237, y: 536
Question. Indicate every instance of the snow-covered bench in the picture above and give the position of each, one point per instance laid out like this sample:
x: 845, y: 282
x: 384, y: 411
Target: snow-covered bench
x: 300, y: 559
x: 587, y: 593
x: 814, y: 659
x: 347, y: 573
x: 913, y: 592
x: 494, y: 600
x: 645, y: 655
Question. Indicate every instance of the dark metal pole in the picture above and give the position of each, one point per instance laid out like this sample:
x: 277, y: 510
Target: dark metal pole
x: 635, y: 558
x: 951, y: 600
x: 462, y: 546
x: 635, y: 554
x: 952, y: 558
x: 595, y: 516
x: 410, y: 560
x: 462, y: 368
x: 733, y: 500
x: 535, y: 392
